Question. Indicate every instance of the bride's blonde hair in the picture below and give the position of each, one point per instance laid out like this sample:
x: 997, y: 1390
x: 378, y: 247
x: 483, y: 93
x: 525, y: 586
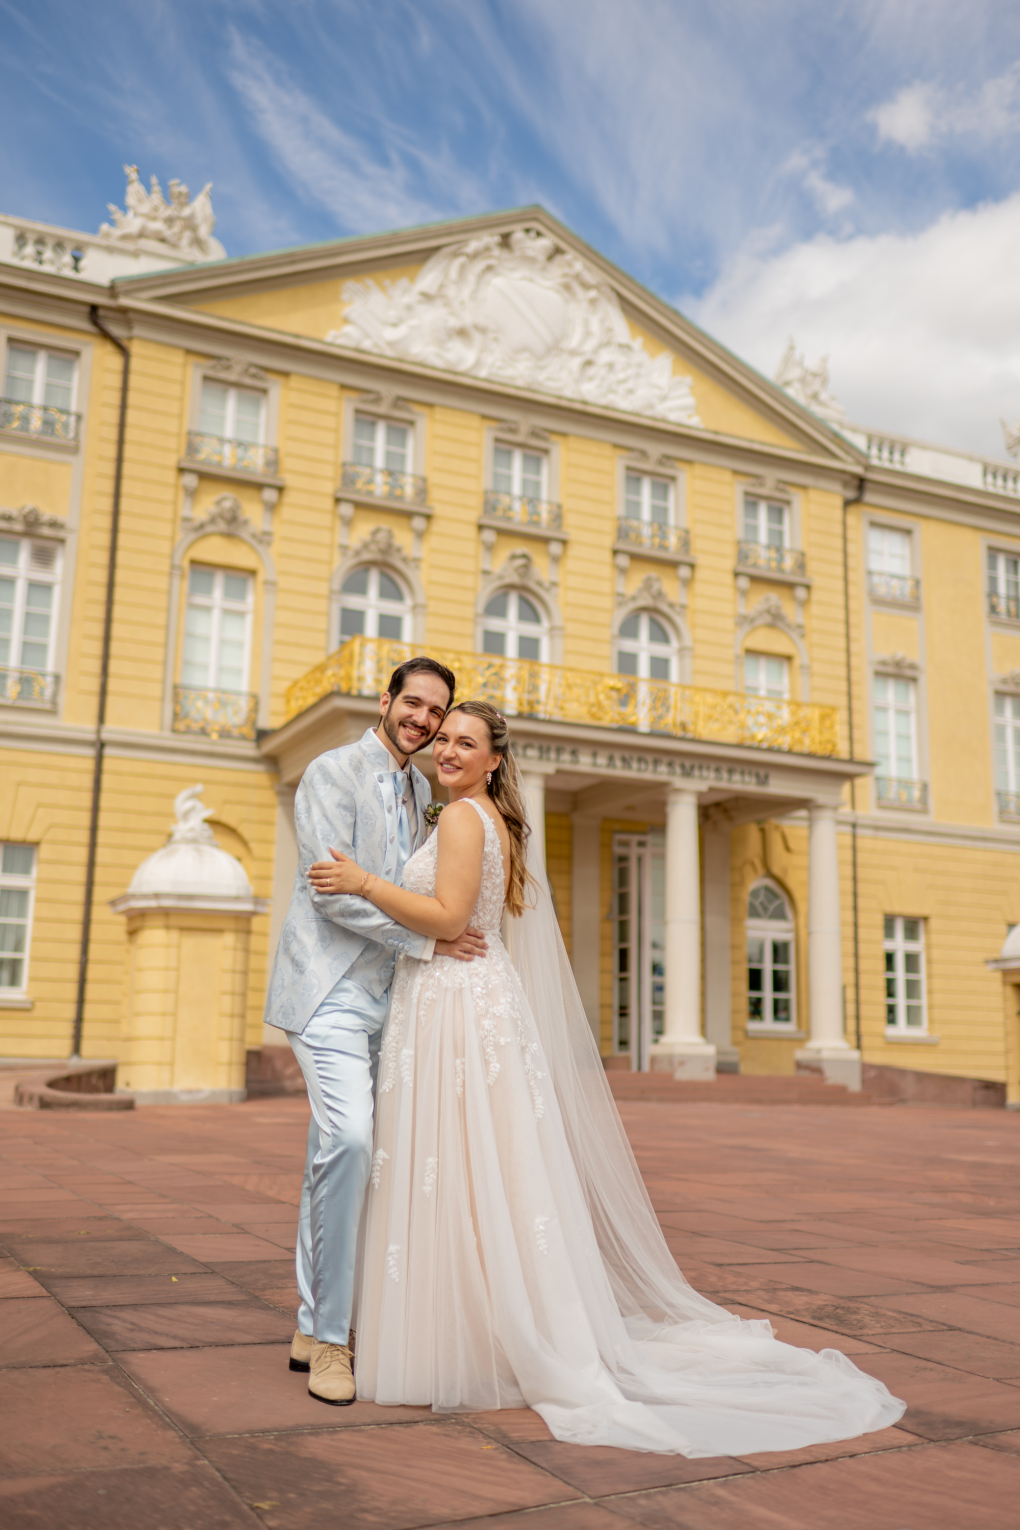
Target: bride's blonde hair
x: 507, y: 793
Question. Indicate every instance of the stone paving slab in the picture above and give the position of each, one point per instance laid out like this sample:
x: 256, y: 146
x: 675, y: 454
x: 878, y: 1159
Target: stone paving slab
x: 147, y: 1297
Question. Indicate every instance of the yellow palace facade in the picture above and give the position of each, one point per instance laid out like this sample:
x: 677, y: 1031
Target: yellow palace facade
x: 763, y: 668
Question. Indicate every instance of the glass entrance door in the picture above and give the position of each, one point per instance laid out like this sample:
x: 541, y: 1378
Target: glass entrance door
x: 639, y: 955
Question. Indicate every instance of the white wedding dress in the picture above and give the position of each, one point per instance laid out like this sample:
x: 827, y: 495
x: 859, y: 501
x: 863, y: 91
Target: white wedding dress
x: 511, y: 1254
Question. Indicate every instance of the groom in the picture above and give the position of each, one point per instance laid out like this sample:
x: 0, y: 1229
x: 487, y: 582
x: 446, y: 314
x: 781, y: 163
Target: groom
x: 330, y: 991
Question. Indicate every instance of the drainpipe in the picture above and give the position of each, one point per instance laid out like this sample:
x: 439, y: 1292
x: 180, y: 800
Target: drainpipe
x: 104, y: 679
x: 855, y: 499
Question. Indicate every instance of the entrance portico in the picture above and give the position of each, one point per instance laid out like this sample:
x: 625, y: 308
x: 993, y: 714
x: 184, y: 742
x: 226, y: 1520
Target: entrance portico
x: 698, y: 793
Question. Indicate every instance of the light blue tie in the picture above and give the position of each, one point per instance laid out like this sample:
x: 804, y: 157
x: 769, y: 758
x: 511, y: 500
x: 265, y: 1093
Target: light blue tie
x: 400, y: 786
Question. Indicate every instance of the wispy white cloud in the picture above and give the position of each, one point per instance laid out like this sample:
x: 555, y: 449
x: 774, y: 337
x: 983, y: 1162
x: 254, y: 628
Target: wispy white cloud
x: 926, y: 113
x: 923, y: 330
x: 807, y: 165
x: 362, y: 187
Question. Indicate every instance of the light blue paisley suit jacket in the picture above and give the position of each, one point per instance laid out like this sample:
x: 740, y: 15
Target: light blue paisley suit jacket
x: 342, y: 801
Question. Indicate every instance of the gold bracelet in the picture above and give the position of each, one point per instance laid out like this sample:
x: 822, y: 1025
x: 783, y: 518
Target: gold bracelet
x: 361, y: 890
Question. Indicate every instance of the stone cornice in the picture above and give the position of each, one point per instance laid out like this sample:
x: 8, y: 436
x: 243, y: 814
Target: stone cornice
x: 277, y: 351
x: 910, y: 494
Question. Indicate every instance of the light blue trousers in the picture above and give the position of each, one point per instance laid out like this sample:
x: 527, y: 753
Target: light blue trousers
x: 338, y: 1053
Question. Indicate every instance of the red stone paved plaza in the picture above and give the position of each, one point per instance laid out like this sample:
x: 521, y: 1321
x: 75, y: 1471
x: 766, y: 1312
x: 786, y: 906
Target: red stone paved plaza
x: 148, y: 1298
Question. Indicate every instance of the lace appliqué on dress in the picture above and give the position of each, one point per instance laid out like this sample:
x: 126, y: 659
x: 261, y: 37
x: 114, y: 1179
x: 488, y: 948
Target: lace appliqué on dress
x: 379, y: 1157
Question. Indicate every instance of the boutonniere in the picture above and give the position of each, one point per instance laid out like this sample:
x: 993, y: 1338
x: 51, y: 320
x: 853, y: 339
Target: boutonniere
x: 432, y: 813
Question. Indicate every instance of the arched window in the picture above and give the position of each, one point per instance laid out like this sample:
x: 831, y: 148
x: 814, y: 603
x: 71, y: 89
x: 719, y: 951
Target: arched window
x: 645, y: 648
x: 770, y: 970
x: 514, y: 627
x: 373, y: 604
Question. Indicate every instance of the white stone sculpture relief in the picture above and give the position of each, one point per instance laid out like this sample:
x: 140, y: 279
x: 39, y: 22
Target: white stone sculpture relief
x: 185, y: 226
x: 517, y: 310
x: 1011, y: 433
x: 191, y: 827
x: 809, y: 385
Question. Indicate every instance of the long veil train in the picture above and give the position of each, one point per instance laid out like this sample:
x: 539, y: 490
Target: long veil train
x: 711, y: 1383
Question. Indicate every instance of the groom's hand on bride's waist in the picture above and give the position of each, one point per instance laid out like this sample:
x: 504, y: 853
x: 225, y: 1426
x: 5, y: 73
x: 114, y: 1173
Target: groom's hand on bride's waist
x: 465, y: 948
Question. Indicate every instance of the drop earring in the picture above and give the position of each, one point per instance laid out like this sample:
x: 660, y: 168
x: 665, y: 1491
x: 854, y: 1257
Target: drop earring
x: 488, y: 778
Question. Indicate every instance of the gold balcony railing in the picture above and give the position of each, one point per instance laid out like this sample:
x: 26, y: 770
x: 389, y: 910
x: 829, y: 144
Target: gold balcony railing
x: 363, y: 666
x: 384, y: 483
x: 41, y: 420
x: 216, y: 714
x: 29, y: 687
x: 225, y: 452
x: 778, y: 560
x: 652, y: 537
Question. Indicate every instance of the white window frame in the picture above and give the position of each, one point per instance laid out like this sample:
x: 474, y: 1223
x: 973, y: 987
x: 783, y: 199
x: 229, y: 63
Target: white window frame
x: 897, y: 946
x: 1002, y: 568
x: 42, y: 353
x: 757, y: 686
x: 645, y: 649
x: 644, y: 496
x: 891, y: 706
x: 1007, y: 741
x: 517, y: 455
x: 23, y: 576
x: 879, y: 562
x: 21, y: 883
x: 374, y: 605
x: 512, y: 627
x: 768, y: 930
x: 380, y: 443
x: 217, y: 603
x: 230, y: 419
x: 764, y: 503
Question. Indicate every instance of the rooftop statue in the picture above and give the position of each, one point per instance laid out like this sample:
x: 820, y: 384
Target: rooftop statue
x: 1012, y: 437
x: 181, y: 224
x: 809, y: 385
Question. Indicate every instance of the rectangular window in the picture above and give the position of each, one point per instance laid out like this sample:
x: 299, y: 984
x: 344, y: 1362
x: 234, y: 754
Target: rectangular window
x: 217, y: 630
x: 17, y: 884
x: 381, y: 444
x: 766, y: 522
x: 888, y: 551
x: 520, y: 473
x: 649, y: 499
x: 235, y: 414
x: 29, y: 572
x: 895, y: 728
x: 905, y: 996
x: 40, y: 377
x: 765, y: 675
x: 1007, y: 743
x: 1003, y: 584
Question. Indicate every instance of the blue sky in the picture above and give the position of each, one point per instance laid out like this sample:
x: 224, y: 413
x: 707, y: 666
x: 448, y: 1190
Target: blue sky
x: 847, y: 173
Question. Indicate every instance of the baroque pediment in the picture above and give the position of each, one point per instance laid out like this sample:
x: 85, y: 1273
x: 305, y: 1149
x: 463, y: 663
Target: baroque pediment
x: 517, y: 309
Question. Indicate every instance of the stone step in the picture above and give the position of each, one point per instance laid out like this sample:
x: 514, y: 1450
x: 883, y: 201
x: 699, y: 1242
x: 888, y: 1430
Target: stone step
x: 732, y: 1089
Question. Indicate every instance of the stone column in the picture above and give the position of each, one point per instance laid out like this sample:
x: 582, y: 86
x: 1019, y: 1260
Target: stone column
x: 718, y: 972
x: 683, y: 1050
x: 586, y: 901
x: 828, y: 1052
x: 534, y: 795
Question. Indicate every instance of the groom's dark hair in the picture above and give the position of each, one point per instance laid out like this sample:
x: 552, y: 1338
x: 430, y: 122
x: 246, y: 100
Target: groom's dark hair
x: 418, y: 666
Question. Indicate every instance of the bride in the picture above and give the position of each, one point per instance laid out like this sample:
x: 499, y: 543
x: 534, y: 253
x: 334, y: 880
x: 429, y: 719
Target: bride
x: 511, y: 1254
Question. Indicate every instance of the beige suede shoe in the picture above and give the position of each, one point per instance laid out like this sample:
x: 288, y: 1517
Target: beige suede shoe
x: 331, y: 1379
x: 301, y: 1351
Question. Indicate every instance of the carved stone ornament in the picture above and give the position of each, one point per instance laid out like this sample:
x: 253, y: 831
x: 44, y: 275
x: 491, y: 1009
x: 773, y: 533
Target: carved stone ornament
x: 380, y: 546
x: 233, y: 370
x: 897, y: 664
x: 30, y: 521
x: 649, y: 595
x: 517, y: 310
x: 769, y: 612
x: 227, y: 516
x: 178, y: 224
x: 1009, y: 682
x: 809, y: 385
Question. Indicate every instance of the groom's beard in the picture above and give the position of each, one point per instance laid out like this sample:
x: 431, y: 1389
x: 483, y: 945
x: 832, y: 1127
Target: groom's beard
x: 391, y: 730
